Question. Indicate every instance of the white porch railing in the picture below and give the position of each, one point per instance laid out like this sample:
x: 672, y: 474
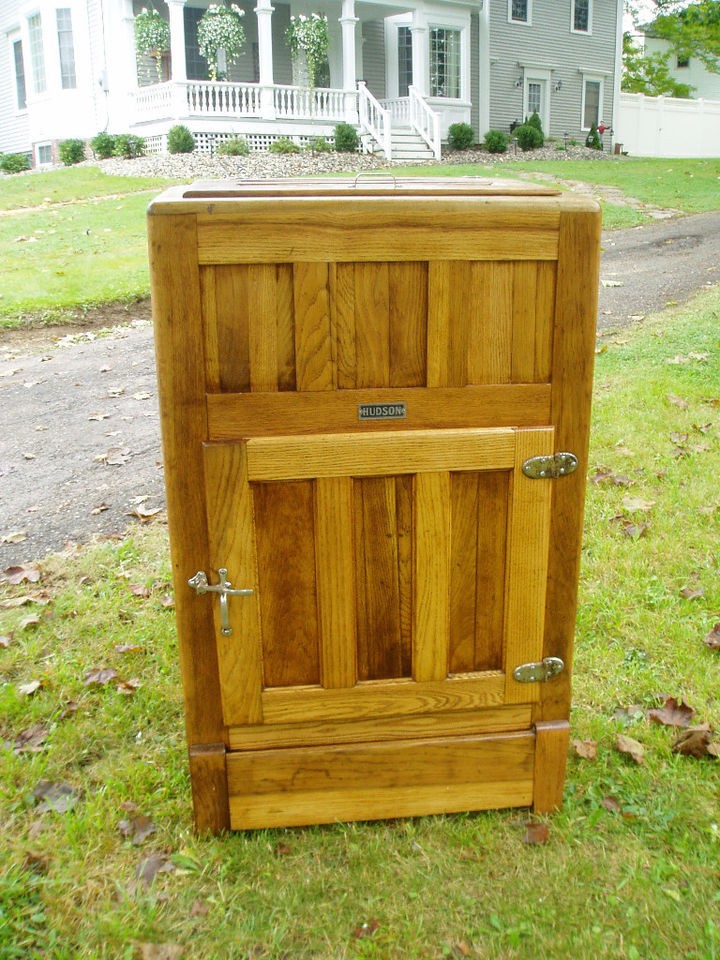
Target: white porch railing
x: 200, y: 98
x: 375, y: 119
x: 425, y: 121
x: 399, y: 109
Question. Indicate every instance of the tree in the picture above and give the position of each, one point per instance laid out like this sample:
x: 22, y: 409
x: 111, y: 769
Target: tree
x: 692, y: 30
x: 649, y: 73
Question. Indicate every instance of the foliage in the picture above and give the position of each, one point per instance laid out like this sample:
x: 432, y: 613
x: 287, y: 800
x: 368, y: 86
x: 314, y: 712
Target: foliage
x: 14, y: 162
x: 180, y: 140
x: 309, y: 36
x: 152, y: 36
x: 461, y: 136
x: 235, y: 147
x: 103, y: 145
x: 346, y: 138
x: 496, y: 141
x: 128, y: 146
x: 71, y: 151
x: 593, y: 138
x: 219, y: 29
x: 284, y: 145
x: 528, y: 137
x: 321, y: 145
x: 534, y: 121
x: 649, y: 73
x: 692, y: 31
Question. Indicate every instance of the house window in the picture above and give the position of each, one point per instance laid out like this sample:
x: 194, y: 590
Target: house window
x: 581, y: 20
x: 405, y: 61
x: 519, y: 11
x: 66, y: 49
x: 592, y: 103
x: 44, y: 154
x: 534, y: 98
x: 444, y: 62
x: 20, y: 91
x: 197, y: 67
x: 683, y: 62
x: 37, y: 55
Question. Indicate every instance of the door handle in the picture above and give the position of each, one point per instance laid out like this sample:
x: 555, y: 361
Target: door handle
x: 225, y: 589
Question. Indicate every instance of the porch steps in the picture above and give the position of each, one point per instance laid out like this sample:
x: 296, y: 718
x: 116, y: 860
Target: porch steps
x: 408, y: 146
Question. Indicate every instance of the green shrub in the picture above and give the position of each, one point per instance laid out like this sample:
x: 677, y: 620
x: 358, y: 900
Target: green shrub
x: 320, y: 145
x: 235, y: 147
x: 534, y: 121
x: 14, y: 162
x: 128, y: 146
x: 180, y: 140
x: 529, y: 137
x: 71, y: 152
x: 461, y: 136
x: 496, y: 141
x: 346, y: 138
x: 103, y: 145
x: 593, y: 138
x: 284, y: 145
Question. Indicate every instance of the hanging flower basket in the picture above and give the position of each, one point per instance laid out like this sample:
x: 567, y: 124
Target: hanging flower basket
x: 309, y: 36
x: 152, y: 37
x: 219, y: 29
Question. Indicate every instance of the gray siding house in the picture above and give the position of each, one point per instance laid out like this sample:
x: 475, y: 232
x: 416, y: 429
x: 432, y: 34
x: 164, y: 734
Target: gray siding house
x: 401, y: 71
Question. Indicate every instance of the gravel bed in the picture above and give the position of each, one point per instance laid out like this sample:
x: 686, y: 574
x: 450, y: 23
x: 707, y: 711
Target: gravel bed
x: 264, y: 165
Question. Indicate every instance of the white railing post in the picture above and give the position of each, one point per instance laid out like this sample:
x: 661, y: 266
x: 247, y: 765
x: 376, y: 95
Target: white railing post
x: 375, y: 119
x: 425, y: 121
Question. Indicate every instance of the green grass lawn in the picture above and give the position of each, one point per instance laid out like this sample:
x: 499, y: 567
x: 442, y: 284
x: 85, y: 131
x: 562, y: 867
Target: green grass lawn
x: 630, y: 867
x: 83, y: 242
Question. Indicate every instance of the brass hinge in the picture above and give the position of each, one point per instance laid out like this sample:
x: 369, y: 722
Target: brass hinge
x: 540, y: 671
x: 552, y: 466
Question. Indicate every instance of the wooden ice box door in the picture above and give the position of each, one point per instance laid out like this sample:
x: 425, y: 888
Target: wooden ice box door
x: 375, y: 401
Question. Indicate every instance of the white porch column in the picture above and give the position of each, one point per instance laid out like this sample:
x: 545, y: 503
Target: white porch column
x: 178, y: 64
x: 348, y: 22
x: 264, y: 11
x: 420, y: 58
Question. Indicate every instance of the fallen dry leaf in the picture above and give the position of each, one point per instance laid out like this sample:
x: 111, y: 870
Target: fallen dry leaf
x: 32, y: 739
x: 99, y: 677
x: 150, y: 866
x: 635, y: 504
x: 128, y: 647
x: 366, y: 929
x: 631, y: 747
x: 28, y: 689
x: 115, y: 456
x: 160, y: 951
x: 5, y: 640
x: 585, y: 749
x: 605, y: 475
x: 59, y: 797
x: 535, y: 833
x: 139, y: 590
x: 696, y: 742
x: 677, y: 401
x: 692, y: 593
x: 100, y: 508
x: 138, y: 829
x: 672, y: 713
x: 16, y: 536
x: 128, y: 687
x: 18, y: 574
x: 713, y: 638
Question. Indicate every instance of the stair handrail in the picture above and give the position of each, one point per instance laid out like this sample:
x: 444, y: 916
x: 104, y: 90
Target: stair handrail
x: 374, y: 119
x: 425, y: 121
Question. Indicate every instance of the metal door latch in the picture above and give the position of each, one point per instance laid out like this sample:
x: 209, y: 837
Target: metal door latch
x: 550, y: 467
x: 540, y: 671
x: 200, y: 585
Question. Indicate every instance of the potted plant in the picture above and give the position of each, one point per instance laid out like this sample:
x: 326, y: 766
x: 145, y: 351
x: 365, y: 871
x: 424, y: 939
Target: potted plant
x: 309, y: 36
x: 152, y: 37
x: 219, y: 29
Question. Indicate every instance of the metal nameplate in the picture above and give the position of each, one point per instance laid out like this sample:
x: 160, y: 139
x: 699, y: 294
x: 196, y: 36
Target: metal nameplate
x: 382, y: 411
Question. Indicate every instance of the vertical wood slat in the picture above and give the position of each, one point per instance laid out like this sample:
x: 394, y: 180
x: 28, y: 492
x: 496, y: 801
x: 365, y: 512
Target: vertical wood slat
x: 438, y: 331
x: 544, y: 319
x: 372, y: 325
x: 180, y: 366
x: 232, y: 545
x: 552, y: 739
x: 334, y: 559
x: 263, y: 327
x: 464, y: 562
x: 342, y: 302
x: 493, y: 490
x: 284, y: 302
x: 524, y: 332
x: 314, y: 360
x: 573, y: 356
x: 527, y: 564
x: 233, y: 308
x: 284, y: 528
x: 208, y: 775
x: 431, y: 603
x: 407, y: 286
x: 208, y: 299
x: 404, y: 488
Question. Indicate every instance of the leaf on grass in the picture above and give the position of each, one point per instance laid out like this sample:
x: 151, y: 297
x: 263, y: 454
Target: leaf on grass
x: 150, y: 866
x: 585, y: 749
x: 138, y: 829
x: 68, y: 710
x: 611, y: 804
x: 366, y: 929
x: 159, y: 951
x: 606, y: 475
x: 167, y: 600
x: 535, y: 833
x: 631, y: 528
x: 713, y: 638
x: 28, y: 622
x: 19, y: 574
x: 28, y: 689
x: 31, y: 740
x: 696, y: 742
x: 282, y: 849
x: 128, y: 647
x: 145, y: 514
x: 99, y: 677
x: 635, y: 504
x: 5, y: 640
x: 692, y: 593
x: 16, y: 536
x: 128, y: 687
x: 628, y: 714
x: 631, y: 747
x: 139, y: 590
x: 677, y: 401
x: 672, y: 713
x: 59, y: 797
